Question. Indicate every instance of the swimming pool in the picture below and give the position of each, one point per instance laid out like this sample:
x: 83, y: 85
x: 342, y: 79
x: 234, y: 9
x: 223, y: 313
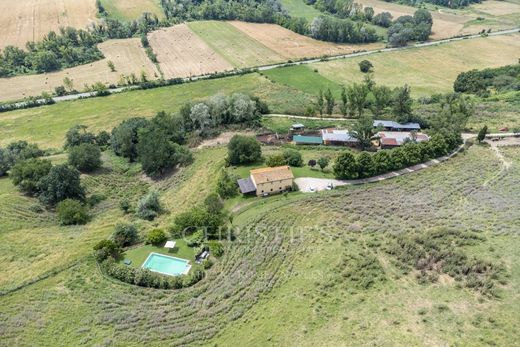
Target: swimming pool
x: 166, y: 265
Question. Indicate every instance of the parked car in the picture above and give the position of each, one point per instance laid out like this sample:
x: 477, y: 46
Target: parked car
x: 312, y: 189
x: 330, y: 186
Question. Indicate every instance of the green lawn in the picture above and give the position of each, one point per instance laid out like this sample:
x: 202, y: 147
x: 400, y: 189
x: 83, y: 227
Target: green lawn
x: 138, y: 255
x: 304, y: 78
x: 298, y: 8
x: 239, y: 49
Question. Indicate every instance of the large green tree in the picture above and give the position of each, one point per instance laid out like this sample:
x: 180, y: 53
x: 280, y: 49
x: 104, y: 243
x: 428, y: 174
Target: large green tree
x: 402, y: 104
x: 27, y: 174
x: 363, y: 130
x: 62, y: 182
x: 85, y: 157
x: 345, y: 166
x: 243, y: 150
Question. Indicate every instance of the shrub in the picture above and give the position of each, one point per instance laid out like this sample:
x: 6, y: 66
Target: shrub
x: 125, y: 235
x: 124, y: 205
x: 312, y: 163
x: 293, y: 157
x: 106, y: 248
x: 149, y: 206
x: 72, y: 212
x: 323, y: 162
x: 243, y: 150
x: 85, y: 157
x: 226, y: 185
x: 156, y: 237
x: 213, y: 203
x: 27, y: 174
x: 195, y: 239
x: 275, y: 160
x: 62, y: 182
x: 197, y: 219
x: 78, y: 135
x: 215, y: 248
x: 345, y: 166
x: 365, y: 66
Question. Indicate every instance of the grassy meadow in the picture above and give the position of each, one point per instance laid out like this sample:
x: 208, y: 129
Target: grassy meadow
x: 428, y: 70
x: 304, y: 78
x: 294, y: 257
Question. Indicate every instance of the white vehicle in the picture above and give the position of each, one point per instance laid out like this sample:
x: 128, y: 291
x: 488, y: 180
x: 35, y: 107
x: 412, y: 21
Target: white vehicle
x: 330, y: 186
x: 311, y: 189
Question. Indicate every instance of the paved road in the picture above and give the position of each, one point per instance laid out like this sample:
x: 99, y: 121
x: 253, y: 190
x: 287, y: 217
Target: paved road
x: 302, y: 62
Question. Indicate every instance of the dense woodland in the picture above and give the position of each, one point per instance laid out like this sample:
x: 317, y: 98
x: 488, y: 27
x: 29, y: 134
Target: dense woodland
x: 480, y: 81
x: 447, y: 3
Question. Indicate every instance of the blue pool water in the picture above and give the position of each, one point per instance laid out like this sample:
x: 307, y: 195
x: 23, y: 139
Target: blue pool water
x: 166, y: 265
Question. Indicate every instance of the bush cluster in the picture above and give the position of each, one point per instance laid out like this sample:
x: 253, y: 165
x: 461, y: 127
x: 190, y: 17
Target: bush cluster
x: 72, y: 212
x: 352, y: 166
x: 17, y: 151
x: 478, y: 81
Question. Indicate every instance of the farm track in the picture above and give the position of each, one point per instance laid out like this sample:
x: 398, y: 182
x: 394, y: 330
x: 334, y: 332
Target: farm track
x: 302, y: 62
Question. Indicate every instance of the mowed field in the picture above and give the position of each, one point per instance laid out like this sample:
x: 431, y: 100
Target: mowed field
x: 127, y: 55
x: 427, y: 70
x: 237, y: 47
x: 132, y: 9
x: 292, y: 45
x: 181, y: 53
x: 31, y: 20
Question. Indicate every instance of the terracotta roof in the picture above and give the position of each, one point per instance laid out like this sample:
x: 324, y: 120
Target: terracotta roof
x: 397, y: 138
x: 271, y: 174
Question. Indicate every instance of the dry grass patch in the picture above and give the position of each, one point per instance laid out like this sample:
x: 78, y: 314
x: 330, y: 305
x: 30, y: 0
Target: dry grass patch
x: 181, y: 53
x: 291, y: 45
x: 497, y: 8
x: 30, y: 20
x: 127, y: 56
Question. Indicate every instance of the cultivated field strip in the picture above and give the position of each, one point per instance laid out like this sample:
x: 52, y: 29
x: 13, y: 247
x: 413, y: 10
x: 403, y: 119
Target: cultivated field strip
x: 181, y: 53
x: 31, y: 20
x: 291, y: 45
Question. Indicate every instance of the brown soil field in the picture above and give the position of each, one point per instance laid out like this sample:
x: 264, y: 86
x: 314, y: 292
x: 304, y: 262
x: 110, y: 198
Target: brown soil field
x: 181, y: 53
x: 127, y: 55
x: 444, y: 24
x: 30, y: 20
x: 292, y: 45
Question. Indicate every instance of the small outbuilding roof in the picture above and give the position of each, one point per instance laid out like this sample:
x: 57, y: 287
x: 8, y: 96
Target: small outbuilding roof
x: 298, y: 126
x: 271, y: 174
x: 398, y: 138
x: 395, y: 125
x: 312, y: 140
x: 336, y: 135
x: 246, y: 185
x: 169, y: 244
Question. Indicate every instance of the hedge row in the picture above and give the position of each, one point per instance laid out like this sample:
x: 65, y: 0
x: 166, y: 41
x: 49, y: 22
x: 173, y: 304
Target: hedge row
x: 147, y: 278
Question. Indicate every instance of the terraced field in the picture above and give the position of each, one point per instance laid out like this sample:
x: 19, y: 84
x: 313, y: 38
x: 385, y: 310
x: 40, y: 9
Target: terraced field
x: 291, y: 259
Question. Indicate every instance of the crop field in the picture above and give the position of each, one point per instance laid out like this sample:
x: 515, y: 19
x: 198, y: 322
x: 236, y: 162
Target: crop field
x: 292, y: 45
x: 47, y: 125
x: 428, y: 70
x: 132, y: 9
x: 127, y: 55
x: 181, y: 53
x: 293, y: 257
x: 31, y: 20
x: 239, y: 49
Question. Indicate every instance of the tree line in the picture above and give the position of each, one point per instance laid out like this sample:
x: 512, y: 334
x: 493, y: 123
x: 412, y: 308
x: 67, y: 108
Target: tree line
x: 479, y: 81
x: 446, y: 3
